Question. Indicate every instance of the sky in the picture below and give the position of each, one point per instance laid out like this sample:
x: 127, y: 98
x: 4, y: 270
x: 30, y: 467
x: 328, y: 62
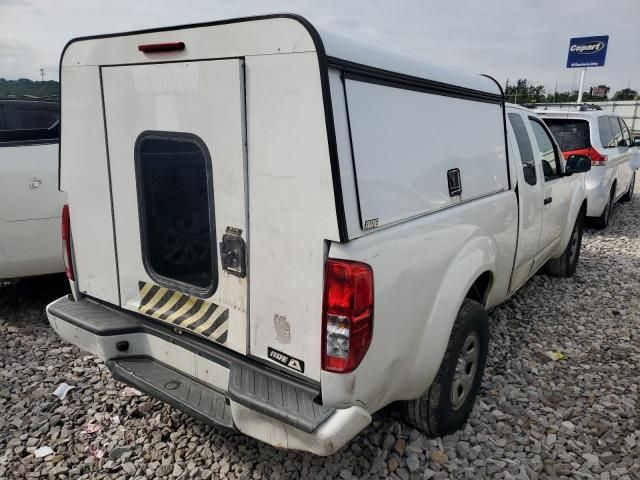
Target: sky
x: 508, y: 39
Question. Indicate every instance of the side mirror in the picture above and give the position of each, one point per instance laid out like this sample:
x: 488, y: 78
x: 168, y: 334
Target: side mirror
x: 636, y: 142
x: 577, y: 164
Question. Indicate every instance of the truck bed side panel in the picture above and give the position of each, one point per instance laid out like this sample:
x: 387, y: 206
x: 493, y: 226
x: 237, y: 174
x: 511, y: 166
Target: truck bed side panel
x: 417, y: 300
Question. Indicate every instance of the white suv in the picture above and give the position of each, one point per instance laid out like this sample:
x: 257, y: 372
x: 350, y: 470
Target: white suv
x: 30, y: 202
x: 605, y: 138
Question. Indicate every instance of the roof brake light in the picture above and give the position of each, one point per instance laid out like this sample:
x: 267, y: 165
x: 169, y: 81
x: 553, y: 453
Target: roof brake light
x: 161, y: 47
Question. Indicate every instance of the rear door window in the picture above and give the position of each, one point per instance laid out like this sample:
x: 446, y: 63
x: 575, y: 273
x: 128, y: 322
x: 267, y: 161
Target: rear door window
x: 626, y: 136
x: 175, y: 198
x: 569, y: 133
x: 30, y: 117
x: 617, y: 132
x: 524, y: 147
x: 606, y: 133
x: 30, y: 123
x: 550, y: 160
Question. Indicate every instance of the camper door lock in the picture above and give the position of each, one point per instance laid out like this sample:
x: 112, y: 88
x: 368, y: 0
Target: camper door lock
x: 233, y: 255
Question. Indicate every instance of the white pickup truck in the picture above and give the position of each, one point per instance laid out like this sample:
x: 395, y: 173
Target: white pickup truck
x: 281, y: 232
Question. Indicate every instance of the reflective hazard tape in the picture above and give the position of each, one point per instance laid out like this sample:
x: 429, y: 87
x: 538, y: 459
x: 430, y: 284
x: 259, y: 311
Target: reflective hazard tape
x: 203, y: 318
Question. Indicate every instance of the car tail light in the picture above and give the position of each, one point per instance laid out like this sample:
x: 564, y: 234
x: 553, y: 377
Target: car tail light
x: 347, y: 315
x: 596, y: 157
x: 66, y: 242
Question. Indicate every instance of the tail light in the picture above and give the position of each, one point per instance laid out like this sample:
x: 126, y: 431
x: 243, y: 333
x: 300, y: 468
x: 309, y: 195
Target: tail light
x: 347, y: 315
x: 66, y: 242
x: 596, y: 157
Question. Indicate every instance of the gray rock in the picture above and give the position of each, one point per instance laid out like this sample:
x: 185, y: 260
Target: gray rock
x: 117, y: 452
x: 413, y: 462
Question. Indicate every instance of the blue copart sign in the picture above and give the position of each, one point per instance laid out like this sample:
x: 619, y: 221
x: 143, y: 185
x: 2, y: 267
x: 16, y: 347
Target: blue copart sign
x: 587, y: 51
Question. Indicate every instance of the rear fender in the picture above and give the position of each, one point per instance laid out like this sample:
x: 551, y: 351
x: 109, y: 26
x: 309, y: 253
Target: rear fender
x: 477, y: 256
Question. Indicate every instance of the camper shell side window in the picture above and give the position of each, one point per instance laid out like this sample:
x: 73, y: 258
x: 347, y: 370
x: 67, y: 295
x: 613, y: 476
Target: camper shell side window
x: 177, y: 223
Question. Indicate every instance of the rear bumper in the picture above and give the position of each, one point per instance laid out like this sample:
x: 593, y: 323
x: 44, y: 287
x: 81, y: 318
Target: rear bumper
x: 232, y: 391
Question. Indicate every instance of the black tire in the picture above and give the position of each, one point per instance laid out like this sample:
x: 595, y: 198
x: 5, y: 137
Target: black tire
x: 566, y: 264
x: 437, y: 413
x: 603, y: 220
x: 629, y: 193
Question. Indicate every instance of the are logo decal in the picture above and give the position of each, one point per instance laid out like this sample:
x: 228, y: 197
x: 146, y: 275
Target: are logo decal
x: 369, y: 224
x: 286, y: 360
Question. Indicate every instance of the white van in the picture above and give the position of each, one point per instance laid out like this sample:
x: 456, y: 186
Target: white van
x: 30, y: 202
x: 605, y: 138
x: 281, y: 232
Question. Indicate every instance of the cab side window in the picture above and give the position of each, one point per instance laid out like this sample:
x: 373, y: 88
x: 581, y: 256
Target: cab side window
x: 550, y: 159
x: 524, y: 146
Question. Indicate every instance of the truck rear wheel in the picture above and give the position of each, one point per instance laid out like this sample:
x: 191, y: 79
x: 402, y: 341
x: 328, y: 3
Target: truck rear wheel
x: 445, y: 407
x: 566, y: 265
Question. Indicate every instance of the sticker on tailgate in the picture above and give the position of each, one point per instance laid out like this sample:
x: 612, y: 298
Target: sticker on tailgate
x: 286, y: 360
x: 181, y: 310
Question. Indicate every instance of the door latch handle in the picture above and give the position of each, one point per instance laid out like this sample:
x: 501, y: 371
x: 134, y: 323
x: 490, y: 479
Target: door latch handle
x: 35, y: 183
x: 548, y: 200
x: 233, y: 255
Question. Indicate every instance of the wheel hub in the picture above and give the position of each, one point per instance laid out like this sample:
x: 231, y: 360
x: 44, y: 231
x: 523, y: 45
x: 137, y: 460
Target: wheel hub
x: 465, y: 372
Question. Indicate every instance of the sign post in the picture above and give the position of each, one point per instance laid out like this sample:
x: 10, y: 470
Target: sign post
x: 587, y: 52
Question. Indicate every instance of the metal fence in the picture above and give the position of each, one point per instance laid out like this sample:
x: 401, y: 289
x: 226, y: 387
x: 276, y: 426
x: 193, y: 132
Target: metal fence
x: 629, y: 110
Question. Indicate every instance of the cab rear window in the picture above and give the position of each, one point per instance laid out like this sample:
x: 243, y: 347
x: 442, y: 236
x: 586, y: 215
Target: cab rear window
x: 175, y: 200
x: 569, y: 133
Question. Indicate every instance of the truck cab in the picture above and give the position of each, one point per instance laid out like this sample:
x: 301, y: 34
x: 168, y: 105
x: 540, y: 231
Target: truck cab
x: 548, y: 197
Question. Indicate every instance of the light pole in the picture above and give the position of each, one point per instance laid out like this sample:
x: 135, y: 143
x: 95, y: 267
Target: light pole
x: 42, y: 74
x: 584, y: 71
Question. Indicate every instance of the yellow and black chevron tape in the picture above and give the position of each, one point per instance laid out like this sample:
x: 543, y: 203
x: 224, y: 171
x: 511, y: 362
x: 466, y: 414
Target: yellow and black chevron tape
x: 204, y: 318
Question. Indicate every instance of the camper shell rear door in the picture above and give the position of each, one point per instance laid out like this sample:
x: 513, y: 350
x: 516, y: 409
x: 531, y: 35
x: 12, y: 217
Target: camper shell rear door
x: 176, y: 146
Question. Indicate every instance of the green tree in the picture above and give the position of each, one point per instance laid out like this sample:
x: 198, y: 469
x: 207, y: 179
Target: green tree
x: 524, y: 92
x: 625, y: 94
x: 28, y: 88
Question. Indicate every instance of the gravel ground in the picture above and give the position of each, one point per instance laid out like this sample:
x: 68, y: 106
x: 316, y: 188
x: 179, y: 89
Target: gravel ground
x: 536, y: 418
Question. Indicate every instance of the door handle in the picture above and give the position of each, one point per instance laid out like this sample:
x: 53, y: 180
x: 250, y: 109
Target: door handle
x: 35, y: 183
x: 548, y: 200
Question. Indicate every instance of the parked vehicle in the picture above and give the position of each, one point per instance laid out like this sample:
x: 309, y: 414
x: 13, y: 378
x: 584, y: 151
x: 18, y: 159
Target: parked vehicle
x: 283, y: 232
x: 30, y: 203
x: 605, y: 138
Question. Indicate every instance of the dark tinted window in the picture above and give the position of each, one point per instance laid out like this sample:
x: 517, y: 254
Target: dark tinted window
x: 617, y: 133
x: 570, y: 134
x: 524, y: 146
x: 550, y: 160
x: 29, y: 123
x: 606, y: 134
x: 3, y: 124
x: 176, y: 211
x: 36, y: 116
